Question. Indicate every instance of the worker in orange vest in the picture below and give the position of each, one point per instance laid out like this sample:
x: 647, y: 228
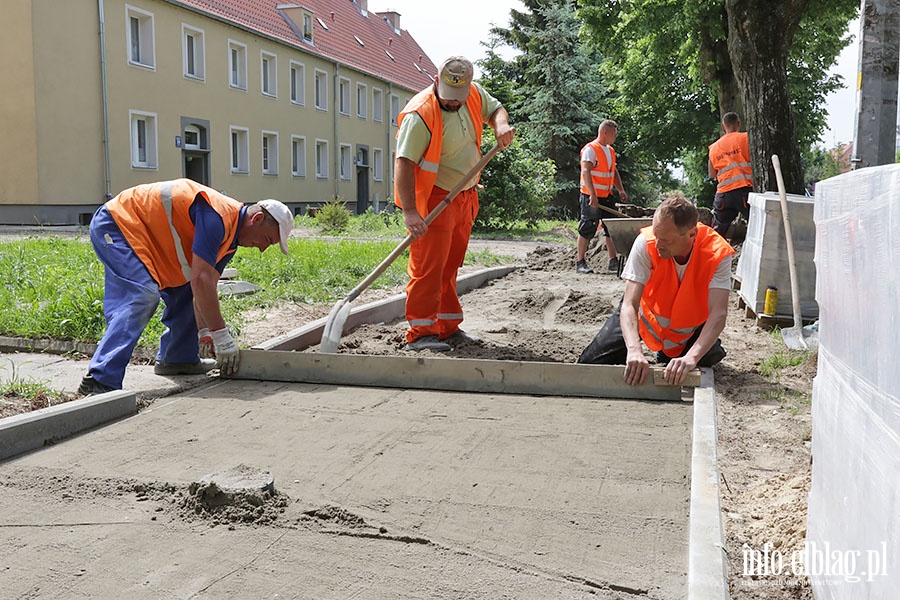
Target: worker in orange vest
x: 729, y: 164
x: 438, y: 142
x: 599, y: 176
x: 677, y: 282
x: 171, y: 240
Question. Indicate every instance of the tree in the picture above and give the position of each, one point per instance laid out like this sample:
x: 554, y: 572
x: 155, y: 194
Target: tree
x: 700, y: 59
x: 760, y: 33
x: 560, y: 102
x: 517, y: 185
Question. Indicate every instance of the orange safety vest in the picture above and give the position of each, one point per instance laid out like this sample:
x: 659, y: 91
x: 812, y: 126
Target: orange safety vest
x: 602, y: 174
x: 425, y: 103
x: 730, y: 157
x: 671, y: 311
x: 155, y: 220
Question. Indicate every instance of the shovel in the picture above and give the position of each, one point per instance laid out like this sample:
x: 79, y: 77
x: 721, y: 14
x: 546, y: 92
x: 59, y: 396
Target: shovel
x: 334, y: 325
x: 794, y: 337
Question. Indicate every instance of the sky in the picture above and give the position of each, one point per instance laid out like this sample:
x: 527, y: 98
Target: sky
x: 445, y: 29
x: 458, y: 27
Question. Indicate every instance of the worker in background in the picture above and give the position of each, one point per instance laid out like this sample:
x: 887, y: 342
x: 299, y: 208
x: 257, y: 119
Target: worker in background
x: 598, y: 177
x: 171, y: 240
x: 729, y: 163
x: 677, y: 282
x: 438, y: 142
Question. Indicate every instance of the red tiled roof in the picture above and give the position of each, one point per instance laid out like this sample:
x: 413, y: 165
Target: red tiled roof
x: 344, y: 21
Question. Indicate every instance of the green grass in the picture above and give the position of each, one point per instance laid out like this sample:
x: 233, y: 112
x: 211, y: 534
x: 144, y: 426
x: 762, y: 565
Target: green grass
x: 53, y: 287
x: 37, y: 393
x: 771, y: 367
x: 50, y: 287
x: 561, y: 232
x: 390, y: 225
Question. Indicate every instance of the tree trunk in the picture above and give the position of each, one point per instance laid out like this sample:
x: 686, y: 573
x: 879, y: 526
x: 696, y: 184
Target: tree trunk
x: 760, y: 33
x: 716, y: 69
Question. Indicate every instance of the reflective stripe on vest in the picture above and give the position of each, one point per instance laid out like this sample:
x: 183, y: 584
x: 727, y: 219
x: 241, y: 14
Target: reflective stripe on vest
x: 426, y: 105
x: 672, y: 311
x: 431, y: 167
x: 155, y: 220
x: 604, y: 172
x: 741, y: 174
x: 165, y: 196
x: 730, y: 157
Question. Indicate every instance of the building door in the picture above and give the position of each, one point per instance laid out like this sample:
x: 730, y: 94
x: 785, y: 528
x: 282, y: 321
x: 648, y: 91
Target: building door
x: 195, y: 149
x: 196, y: 166
x: 362, y: 179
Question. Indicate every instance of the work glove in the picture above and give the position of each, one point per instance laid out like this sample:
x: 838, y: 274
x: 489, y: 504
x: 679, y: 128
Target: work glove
x: 226, y: 351
x: 207, y: 348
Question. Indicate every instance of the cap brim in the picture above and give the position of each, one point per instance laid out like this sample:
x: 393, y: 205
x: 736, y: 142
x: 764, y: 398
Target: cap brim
x: 452, y: 93
x: 282, y: 243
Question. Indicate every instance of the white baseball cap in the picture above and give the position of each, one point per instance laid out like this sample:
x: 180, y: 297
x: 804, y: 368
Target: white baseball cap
x: 454, y: 78
x: 282, y: 214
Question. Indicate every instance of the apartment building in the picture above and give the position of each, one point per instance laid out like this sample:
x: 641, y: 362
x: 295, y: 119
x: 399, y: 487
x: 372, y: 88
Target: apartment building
x: 256, y: 98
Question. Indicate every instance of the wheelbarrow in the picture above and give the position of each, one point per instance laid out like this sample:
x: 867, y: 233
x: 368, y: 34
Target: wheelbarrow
x: 623, y: 233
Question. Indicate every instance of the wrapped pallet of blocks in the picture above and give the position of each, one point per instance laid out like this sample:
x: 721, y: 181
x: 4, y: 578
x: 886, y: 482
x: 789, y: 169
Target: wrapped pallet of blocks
x: 763, y: 261
x: 853, y: 529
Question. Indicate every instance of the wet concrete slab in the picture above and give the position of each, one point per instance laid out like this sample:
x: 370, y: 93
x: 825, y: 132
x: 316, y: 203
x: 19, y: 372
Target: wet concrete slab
x: 380, y: 493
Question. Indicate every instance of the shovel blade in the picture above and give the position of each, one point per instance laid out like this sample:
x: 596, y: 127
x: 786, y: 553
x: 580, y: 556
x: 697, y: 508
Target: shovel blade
x: 798, y: 338
x: 334, y: 327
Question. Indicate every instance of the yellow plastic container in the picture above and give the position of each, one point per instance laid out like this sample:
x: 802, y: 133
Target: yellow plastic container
x: 771, y: 300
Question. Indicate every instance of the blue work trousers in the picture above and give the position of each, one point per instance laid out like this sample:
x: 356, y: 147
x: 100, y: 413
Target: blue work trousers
x: 130, y: 299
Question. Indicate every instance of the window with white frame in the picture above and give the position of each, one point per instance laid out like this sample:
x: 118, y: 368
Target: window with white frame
x: 377, y: 105
x: 140, y: 37
x: 344, y: 96
x: 346, y: 161
x: 308, y: 27
x: 362, y: 101
x: 321, y: 90
x: 240, y: 150
x: 395, y: 108
x: 193, y: 52
x: 143, y: 140
x: 268, y: 67
x: 322, y: 159
x: 298, y: 83
x: 298, y: 156
x: 237, y: 65
x: 269, y: 153
x: 377, y: 164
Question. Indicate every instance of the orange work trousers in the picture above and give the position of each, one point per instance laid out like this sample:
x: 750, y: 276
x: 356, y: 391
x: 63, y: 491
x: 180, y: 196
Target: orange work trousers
x: 432, y: 305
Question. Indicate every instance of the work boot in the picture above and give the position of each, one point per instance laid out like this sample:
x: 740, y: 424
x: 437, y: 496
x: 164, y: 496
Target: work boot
x: 613, y: 265
x: 461, y: 337
x: 427, y: 342
x: 90, y: 386
x: 582, y: 267
x: 178, y: 368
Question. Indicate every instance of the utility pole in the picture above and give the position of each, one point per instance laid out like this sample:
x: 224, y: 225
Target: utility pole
x: 875, y: 134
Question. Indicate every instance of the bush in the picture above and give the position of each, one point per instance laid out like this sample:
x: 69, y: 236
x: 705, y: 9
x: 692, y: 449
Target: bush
x: 333, y: 215
x: 518, y: 187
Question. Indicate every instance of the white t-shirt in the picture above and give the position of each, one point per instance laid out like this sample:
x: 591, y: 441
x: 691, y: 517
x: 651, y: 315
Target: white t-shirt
x: 588, y: 154
x: 639, y: 265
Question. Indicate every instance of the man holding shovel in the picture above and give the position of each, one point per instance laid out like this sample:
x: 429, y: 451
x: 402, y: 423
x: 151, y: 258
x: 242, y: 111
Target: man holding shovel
x: 598, y: 177
x: 438, y: 144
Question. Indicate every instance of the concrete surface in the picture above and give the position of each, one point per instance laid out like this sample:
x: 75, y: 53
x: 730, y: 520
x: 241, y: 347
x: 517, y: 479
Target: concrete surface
x: 381, y: 493
x: 33, y: 430
x: 63, y: 373
x: 424, y: 495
